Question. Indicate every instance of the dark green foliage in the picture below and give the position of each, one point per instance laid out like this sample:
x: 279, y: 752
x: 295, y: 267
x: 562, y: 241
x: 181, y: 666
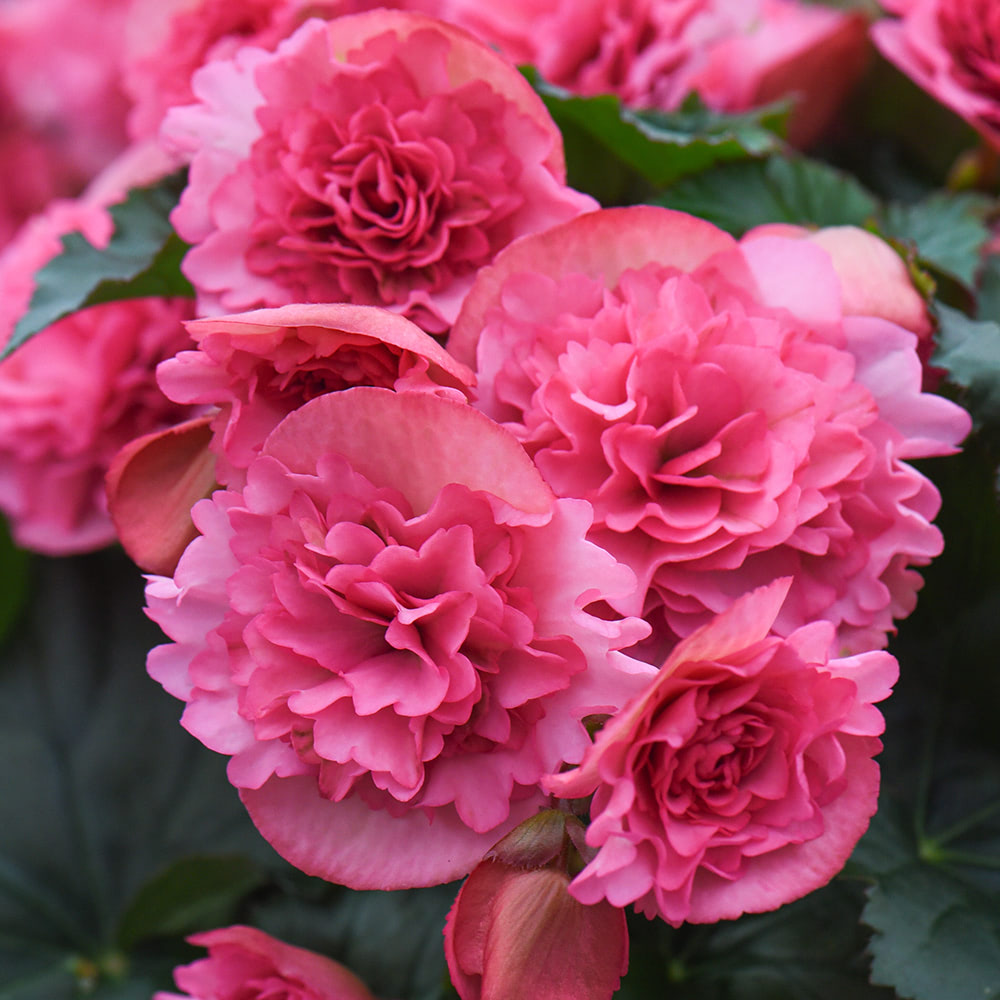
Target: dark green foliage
x: 739, y: 196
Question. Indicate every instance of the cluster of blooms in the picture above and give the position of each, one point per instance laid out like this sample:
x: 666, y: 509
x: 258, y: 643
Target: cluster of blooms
x: 455, y: 470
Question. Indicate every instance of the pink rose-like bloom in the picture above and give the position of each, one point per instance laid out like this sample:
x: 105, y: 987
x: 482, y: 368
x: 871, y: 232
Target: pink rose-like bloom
x: 741, y: 778
x: 257, y: 367
x: 386, y: 630
x: 246, y: 964
x: 73, y: 395
x: 949, y: 48
x: 729, y: 424
x: 379, y: 159
x: 734, y: 53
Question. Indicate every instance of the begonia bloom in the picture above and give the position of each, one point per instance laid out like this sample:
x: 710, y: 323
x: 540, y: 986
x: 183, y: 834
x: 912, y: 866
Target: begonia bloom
x: 244, y: 963
x: 728, y: 422
x: 741, y: 778
x: 379, y: 159
x: 386, y: 630
x: 949, y: 48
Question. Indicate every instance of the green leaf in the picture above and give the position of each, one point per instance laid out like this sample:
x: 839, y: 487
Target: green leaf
x: 193, y: 893
x: 739, y: 196
x: 969, y: 350
x: 947, y: 231
x: 932, y: 852
x: 810, y: 948
x: 102, y: 789
x: 935, y: 934
x: 142, y: 259
x: 988, y: 292
x: 659, y: 146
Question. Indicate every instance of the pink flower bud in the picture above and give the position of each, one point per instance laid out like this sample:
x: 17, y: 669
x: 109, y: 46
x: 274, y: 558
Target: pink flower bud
x: 515, y: 931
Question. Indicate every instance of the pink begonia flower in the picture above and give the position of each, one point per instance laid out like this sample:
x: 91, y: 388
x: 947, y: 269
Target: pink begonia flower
x: 514, y: 931
x: 949, y: 48
x: 741, y: 778
x: 167, y: 40
x: 244, y: 963
x: 727, y: 421
x: 386, y: 630
x: 72, y: 396
x: 735, y: 54
x: 379, y: 159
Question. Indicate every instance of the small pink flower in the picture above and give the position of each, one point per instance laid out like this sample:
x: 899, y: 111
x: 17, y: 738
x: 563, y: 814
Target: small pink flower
x: 734, y: 53
x: 949, y: 47
x: 246, y: 964
x: 515, y: 931
x: 727, y: 421
x: 741, y: 778
x: 378, y: 159
x: 386, y: 631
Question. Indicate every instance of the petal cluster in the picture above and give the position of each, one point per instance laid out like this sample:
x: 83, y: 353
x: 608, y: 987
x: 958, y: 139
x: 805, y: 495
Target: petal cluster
x: 728, y: 423
x: 741, y: 778
x: 377, y: 159
x: 393, y: 640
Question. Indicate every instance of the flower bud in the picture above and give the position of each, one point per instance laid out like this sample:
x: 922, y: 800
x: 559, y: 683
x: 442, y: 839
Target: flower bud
x: 514, y: 931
